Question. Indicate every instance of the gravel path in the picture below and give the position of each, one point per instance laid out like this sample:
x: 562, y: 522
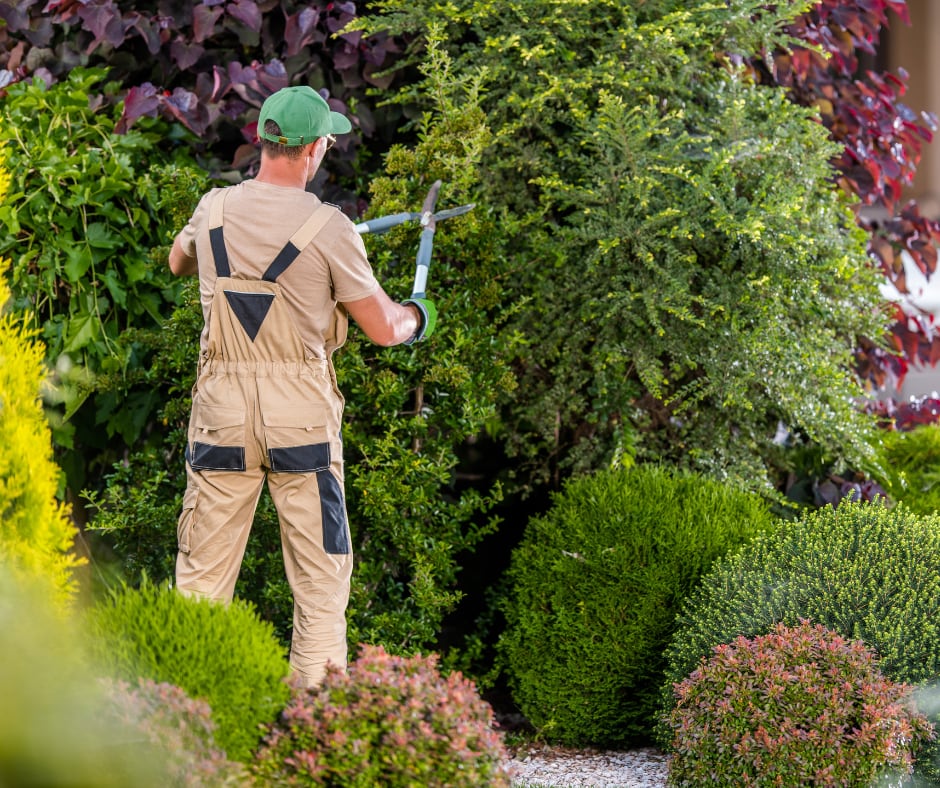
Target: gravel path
x: 536, y: 765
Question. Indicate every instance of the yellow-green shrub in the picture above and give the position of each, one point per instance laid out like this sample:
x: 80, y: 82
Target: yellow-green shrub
x: 912, y: 460
x: 36, y: 534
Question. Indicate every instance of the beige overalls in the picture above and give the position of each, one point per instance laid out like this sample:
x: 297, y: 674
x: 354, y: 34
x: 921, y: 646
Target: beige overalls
x: 262, y: 410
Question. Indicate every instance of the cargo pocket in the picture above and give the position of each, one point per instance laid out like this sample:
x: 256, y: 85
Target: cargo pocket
x: 333, y: 515
x: 294, y: 417
x: 306, y: 458
x: 187, y: 520
x: 217, y: 439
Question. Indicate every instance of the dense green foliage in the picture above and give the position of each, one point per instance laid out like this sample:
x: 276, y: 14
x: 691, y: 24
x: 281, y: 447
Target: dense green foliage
x: 223, y: 654
x: 799, y: 706
x: 911, y: 464
x: 389, y: 721
x: 595, y: 586
x: 690, y: 276
x: 411, y: 411
x: 84, y: 223
x: 36, y: 535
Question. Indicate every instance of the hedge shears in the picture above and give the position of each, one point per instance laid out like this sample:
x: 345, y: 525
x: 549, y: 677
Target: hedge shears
x: 429, y: 220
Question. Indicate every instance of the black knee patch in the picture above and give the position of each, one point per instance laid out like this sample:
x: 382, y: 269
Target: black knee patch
x: 333, y: 515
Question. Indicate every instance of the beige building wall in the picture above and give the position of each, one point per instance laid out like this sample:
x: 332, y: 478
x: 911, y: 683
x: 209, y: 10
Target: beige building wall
x: 916, y: 48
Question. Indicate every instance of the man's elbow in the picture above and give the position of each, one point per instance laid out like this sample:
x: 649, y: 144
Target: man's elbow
x: 180, y: 267
x: 385, y: 336
x: 181, y: 264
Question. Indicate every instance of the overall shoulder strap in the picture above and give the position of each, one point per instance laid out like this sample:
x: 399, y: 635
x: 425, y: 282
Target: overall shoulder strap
x: 299, y: 241
x: 216, y: 239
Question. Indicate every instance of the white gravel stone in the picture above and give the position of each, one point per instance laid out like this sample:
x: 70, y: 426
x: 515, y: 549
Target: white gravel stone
x: 545, y: 766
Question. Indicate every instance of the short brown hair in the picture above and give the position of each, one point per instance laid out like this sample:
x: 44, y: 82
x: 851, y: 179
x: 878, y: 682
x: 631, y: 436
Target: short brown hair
x: 276, y: 149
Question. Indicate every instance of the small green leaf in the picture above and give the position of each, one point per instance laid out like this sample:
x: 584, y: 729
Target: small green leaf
x: 79, y: 261
x: 81, y: 330
x: 100, y: 236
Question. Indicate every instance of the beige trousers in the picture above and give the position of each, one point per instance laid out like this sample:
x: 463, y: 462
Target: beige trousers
x: 262, y: 412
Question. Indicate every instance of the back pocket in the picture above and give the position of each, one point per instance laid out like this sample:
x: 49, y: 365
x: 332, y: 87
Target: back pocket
x: 216, y: 438
x: 294, y: 416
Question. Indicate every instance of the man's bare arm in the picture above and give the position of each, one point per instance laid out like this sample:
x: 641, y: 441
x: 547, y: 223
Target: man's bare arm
x: 181, y: 263
x: 384, y: 321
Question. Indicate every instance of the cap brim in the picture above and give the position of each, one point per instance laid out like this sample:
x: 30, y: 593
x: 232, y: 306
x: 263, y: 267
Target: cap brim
x: 341, y: 124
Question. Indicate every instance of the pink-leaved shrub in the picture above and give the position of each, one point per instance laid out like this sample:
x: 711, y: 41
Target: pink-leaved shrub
x: 389, y: 720
x: 799, y: 706
x: 177, y: 728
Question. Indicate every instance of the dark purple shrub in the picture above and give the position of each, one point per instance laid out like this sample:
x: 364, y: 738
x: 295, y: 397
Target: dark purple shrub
x: 798, y: 706
x: 389, y: 721
x: 907, y: 415
x: 208, y: 65
x: 882, y: 142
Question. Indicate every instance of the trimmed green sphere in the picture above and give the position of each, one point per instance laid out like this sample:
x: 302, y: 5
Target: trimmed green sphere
x: 595, y: 587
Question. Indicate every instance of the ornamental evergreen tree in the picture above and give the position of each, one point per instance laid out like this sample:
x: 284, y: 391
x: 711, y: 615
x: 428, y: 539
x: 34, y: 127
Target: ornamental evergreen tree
x: 688, y: 276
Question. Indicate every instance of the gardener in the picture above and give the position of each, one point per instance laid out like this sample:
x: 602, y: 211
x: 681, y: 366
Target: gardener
x: 279, y: 271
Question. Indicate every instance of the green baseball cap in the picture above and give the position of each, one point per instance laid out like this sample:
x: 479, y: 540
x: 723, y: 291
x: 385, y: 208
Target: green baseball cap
x: 303, y: 116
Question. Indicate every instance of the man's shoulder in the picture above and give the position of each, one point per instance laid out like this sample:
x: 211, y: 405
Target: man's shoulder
x: 338, y: 219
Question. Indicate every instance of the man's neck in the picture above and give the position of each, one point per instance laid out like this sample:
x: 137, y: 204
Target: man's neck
x: 283, y: 172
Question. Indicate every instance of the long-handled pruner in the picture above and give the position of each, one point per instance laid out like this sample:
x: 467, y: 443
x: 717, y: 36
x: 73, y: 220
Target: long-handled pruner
x: 429, y: 220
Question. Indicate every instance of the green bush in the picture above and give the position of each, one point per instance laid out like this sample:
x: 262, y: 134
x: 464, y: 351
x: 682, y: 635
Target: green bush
x: 862, y: 570
x: 799, y: 706
x: 689, y: 276
x: 86, y: 210
x: 178, y: 728
x: 223, y: 654
x: 389, y: 721
x: 912, y: 463
x: 594, y: 587
x: 36, y: 534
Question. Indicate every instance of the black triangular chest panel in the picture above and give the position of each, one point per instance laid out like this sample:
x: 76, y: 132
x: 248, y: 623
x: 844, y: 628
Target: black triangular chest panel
x: 250, y: 309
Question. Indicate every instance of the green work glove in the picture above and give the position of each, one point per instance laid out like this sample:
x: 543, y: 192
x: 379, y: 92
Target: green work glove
x: 428, y: 318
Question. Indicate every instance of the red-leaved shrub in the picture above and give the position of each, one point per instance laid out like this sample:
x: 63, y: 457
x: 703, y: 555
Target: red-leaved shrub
x: 390, y: 721
x: 799, y: 706
x: 179, y: 728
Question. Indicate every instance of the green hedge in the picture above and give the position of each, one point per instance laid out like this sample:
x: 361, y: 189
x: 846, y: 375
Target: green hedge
x: 223, y: 654
x: 595, y: 586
